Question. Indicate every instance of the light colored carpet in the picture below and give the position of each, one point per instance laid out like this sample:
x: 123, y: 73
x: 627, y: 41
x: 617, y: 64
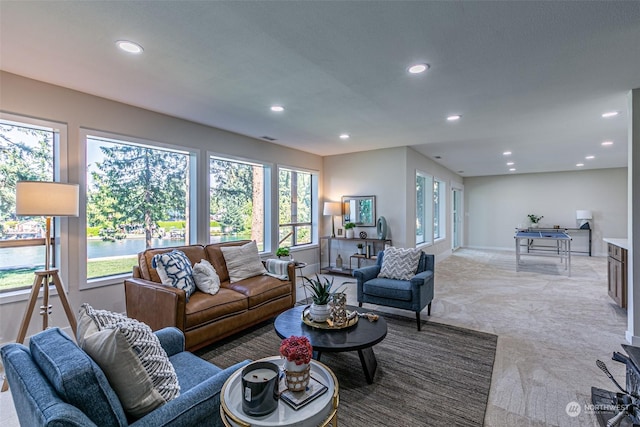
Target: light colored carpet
x: 551, y: 330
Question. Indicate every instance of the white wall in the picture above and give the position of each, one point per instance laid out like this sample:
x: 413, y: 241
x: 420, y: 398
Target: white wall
x: 495, y: 205
x: 26, y: 97
x: 388, y: 174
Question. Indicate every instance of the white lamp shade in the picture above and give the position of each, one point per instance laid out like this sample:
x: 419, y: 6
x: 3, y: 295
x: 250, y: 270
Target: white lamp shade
x: 41, y: 198
x: 583, y: 214
x: 332, y: 208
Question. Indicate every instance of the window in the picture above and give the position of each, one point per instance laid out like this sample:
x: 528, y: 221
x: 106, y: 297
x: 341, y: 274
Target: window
x: 237, y: 201
x: 137, y: 198
x: 439, y: 209
x: 28, y: 152
x: 295, y: 199
x: 424, y: 208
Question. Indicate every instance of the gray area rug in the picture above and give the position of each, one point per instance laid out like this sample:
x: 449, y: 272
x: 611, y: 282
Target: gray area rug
x: 439, y: 376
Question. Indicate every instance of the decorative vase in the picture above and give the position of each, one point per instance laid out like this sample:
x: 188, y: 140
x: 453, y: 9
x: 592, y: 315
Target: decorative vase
x: 319, y: 313
x: 350, y: 233
x: 381, y: 227
x: 338, y: 309
x: 296, y: 376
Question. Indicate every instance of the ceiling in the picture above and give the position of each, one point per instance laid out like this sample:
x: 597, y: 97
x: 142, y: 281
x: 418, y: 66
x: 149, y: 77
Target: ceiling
x: 529, y: 77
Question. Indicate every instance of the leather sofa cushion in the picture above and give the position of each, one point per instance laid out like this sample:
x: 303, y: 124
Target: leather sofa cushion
x: 260, y: 289
x: 194, y: 252
x: 204, y: 308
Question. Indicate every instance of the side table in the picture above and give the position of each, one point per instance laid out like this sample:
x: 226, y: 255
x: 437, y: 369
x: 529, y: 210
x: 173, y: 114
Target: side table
x: 323, y: 411
x: 300, y: 266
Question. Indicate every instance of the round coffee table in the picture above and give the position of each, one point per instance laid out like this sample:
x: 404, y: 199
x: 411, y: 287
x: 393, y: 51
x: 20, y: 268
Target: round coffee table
x: 322, y: 411
x: 360, y: 337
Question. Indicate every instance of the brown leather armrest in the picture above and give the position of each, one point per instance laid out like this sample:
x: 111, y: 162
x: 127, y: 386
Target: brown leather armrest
x: 155, y: 304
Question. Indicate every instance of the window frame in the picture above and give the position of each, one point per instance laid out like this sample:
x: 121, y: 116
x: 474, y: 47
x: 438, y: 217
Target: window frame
x: 85, y: 134
x: 440, y: 211
x: 60, y: 225
x: 428, y: 209
x: 313, y: 224
x: 268, y: 197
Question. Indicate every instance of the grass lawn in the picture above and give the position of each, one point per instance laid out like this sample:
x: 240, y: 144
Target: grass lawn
x: 12, y: 279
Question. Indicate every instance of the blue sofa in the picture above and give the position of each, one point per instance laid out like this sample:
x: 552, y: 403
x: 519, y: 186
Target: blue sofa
x: 414, y: 294
x: 55, y: 383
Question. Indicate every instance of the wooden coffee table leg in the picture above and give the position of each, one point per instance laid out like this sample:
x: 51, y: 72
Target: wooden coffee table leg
x: 369, y: 363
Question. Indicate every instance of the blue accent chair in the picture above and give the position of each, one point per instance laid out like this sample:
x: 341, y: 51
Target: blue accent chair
x: 414, y: 294
x: 55, y: 383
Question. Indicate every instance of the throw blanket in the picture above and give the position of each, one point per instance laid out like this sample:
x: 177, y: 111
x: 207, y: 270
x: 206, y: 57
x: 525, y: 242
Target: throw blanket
x: 277, y: 268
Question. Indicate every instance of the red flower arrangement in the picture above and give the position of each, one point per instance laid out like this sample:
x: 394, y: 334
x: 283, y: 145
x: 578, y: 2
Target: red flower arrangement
x: 296, y: 349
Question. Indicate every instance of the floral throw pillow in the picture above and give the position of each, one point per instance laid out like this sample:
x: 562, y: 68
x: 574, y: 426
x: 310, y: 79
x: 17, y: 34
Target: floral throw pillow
x: 399, y: 263
x: 174, y: 269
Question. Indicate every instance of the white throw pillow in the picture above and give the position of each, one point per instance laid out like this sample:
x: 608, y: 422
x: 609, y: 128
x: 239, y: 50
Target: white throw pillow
x: 131, y: 357
x: 207, y: 280
x: 400, y: 263
x: 243, y: 261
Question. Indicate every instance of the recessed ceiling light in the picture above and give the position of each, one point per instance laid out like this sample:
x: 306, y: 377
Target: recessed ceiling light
x: 129, y: 46
x: 512, y: 169
x: 509, y: 163
x: 606, y: 143
x: 277, y: 108
x: 610, y: 114
x: 506, y: 153
x: 590, y: 157
x: 579, y: 165
x: 345, y: 136
x: 454, y: 117
x: 418, y: 68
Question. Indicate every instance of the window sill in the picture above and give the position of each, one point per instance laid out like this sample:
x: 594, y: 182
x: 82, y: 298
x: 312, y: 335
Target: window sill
x: 100, y: 282
x: 22, y: 295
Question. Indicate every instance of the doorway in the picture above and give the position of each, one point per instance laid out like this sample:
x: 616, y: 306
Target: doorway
x: 457, y: 219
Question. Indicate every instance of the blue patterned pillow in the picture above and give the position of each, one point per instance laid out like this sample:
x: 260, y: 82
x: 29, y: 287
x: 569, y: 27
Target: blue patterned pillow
x: 174, y: 269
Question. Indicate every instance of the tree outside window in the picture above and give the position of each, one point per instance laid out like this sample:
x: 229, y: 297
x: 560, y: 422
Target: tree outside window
x: 295, y: 207
x: 26, y: 154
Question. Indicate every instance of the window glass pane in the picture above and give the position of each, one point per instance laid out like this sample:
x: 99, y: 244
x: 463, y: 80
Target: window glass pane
x: 26, y: 154
x: 136, y: 199
x: 424, y: 208
x: 295, y: 207
x: 237, y: 201
x: 439, y: 213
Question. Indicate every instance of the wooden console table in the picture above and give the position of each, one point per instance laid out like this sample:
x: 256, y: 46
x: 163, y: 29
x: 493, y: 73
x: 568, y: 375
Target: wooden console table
x: 329, y: 266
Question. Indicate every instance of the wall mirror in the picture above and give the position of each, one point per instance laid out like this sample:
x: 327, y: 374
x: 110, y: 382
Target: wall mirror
x: 360, y: 210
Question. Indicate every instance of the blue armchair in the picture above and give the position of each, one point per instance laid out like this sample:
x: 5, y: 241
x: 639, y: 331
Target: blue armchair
x: 414, y: 294
x: 55, y: 383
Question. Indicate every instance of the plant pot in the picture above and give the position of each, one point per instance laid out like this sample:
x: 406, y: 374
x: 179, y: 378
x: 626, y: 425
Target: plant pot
x: 350, y: 233
x: 296, y: 376
x: 319, y: 313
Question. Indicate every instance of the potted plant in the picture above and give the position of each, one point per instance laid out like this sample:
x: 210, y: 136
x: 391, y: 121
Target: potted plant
x: 320, y: 295
x: 350, y: 229
x: 360, y: 248
x: 298, y: 353
x: 534, y: 219
x: 284, y: 251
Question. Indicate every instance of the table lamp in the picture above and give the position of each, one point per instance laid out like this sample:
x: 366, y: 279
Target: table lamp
x: 333, y: 209
x: 48, y: 199
x: 583, y: 216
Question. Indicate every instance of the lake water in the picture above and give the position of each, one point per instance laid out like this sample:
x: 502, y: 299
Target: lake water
x: 34, y: 256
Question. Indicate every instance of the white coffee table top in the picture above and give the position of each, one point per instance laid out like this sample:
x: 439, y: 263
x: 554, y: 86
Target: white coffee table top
x: 316, y: 412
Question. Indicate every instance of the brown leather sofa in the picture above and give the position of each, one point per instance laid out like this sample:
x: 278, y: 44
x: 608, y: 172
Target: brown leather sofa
x: 205, y: 318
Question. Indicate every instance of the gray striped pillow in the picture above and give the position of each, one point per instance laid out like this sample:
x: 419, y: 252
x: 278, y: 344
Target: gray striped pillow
x: 400, y: 263
x: 131, y: 357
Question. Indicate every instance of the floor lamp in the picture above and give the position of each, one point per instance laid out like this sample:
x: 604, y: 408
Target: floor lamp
x: 333, y: 209
x: 48, y: 199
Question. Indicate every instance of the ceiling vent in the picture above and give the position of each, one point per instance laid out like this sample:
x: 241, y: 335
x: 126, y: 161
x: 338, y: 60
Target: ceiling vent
x: 268, y: 138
